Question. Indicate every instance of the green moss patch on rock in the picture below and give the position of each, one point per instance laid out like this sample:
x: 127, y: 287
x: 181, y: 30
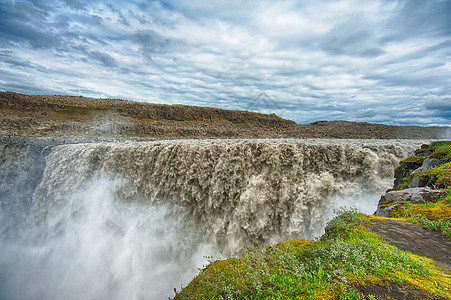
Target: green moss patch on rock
x: 434, y: 210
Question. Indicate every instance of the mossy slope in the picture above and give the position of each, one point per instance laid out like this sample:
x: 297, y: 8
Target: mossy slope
x: 331, y: 268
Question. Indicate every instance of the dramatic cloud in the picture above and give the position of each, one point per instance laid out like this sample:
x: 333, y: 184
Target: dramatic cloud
x: 375, y: 61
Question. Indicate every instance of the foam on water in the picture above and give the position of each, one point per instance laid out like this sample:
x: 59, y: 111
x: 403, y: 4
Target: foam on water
x: 95, y: 247
x: 134, y: 220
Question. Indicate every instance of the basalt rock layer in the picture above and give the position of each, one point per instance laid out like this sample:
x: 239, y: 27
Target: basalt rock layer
x: 33, y: 115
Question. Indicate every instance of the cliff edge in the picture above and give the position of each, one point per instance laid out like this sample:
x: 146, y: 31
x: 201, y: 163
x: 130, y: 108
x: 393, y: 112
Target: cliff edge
x: 35, y: 115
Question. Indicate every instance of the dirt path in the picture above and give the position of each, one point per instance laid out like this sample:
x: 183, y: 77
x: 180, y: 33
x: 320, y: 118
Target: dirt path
x: 415, y: 239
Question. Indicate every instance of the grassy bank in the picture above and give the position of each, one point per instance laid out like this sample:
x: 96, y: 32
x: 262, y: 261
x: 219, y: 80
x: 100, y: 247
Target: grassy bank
x: 333, y: 267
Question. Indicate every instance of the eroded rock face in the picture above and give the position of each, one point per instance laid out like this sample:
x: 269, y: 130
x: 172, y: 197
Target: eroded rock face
x: 404, y: 170
x: 414, y: 196
x: 417, y: 191
x: 419, y: 181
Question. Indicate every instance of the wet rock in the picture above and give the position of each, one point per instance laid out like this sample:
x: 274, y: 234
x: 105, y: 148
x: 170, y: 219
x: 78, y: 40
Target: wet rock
x: 414, y: 196
x: 405, y: 169
x: 420, y: 181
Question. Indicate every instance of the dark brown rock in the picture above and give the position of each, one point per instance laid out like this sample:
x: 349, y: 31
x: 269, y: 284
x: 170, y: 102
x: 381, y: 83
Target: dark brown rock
x: 420, y: 181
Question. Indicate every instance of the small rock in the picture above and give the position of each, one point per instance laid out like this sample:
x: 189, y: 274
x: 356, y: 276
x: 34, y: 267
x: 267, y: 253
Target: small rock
x: 414, y: 196
x: 385, y: 211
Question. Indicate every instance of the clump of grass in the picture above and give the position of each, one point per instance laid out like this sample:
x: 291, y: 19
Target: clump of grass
x: 347, y: 222
x: 326, y: 269
x: 440, y: 225
x: 441, y: 150
x: 441, y: 173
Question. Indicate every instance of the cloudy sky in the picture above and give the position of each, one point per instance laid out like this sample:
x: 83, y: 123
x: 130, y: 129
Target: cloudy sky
x: 375, y: 61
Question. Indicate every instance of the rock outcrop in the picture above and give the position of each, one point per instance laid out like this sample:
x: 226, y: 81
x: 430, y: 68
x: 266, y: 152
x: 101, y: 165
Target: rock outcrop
x: 415, y: 178
x: 412, y: 183
x: 415, y: 195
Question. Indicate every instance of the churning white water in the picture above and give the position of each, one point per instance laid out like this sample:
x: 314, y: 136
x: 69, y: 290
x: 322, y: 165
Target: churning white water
x: 135, y: 220
x: 95, y: 247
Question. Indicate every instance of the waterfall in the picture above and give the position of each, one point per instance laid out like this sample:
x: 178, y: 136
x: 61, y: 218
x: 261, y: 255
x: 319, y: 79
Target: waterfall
x: 132, y: 220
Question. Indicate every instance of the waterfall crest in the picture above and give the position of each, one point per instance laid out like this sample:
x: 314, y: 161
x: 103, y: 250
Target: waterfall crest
x: 241, y: 191
x: 130, y: 213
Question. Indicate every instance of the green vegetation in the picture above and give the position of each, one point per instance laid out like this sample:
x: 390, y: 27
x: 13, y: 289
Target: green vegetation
x: 436, y: 213
x: 440, y: 175
x: 329, y: 268
x: 432, y: 215
x: 438, y: 149
x: 441, y: 226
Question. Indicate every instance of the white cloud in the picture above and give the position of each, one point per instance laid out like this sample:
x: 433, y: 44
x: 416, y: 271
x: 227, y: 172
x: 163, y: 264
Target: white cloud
x: 317, y: 60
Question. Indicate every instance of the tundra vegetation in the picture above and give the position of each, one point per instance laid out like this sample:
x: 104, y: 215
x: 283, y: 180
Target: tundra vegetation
x: 345, y: 260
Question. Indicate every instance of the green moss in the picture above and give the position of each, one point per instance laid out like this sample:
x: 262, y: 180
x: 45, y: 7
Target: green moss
x: 387, y: 204
x: 327, y: 269
x: 413, y: 158
x: 441, y: 173
x: 440, y: 143
x: 296, y: 243
x: 432, y: 211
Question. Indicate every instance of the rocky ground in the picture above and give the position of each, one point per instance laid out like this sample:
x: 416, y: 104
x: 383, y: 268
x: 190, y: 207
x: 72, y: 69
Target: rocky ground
x: 33, y: 115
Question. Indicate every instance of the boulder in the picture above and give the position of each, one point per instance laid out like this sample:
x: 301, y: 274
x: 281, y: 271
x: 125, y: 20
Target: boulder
x: 405, y: 169
x: 420, y: 181
x: 413, y: 195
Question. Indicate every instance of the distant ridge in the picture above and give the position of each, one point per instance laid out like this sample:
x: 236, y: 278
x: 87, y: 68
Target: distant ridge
x: 35, y: 115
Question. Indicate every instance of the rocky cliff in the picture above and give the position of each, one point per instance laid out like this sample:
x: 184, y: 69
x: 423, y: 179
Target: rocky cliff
x: 423, y: 178
x: 32, y: 115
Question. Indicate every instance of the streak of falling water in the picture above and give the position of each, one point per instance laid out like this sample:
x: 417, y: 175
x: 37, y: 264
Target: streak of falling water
x: 134, y: 220
x: 95, y: 247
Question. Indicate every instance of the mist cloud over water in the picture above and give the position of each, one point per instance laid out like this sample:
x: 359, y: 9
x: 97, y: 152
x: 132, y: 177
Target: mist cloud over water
x: 134, y: 220
x: 95, y: 247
